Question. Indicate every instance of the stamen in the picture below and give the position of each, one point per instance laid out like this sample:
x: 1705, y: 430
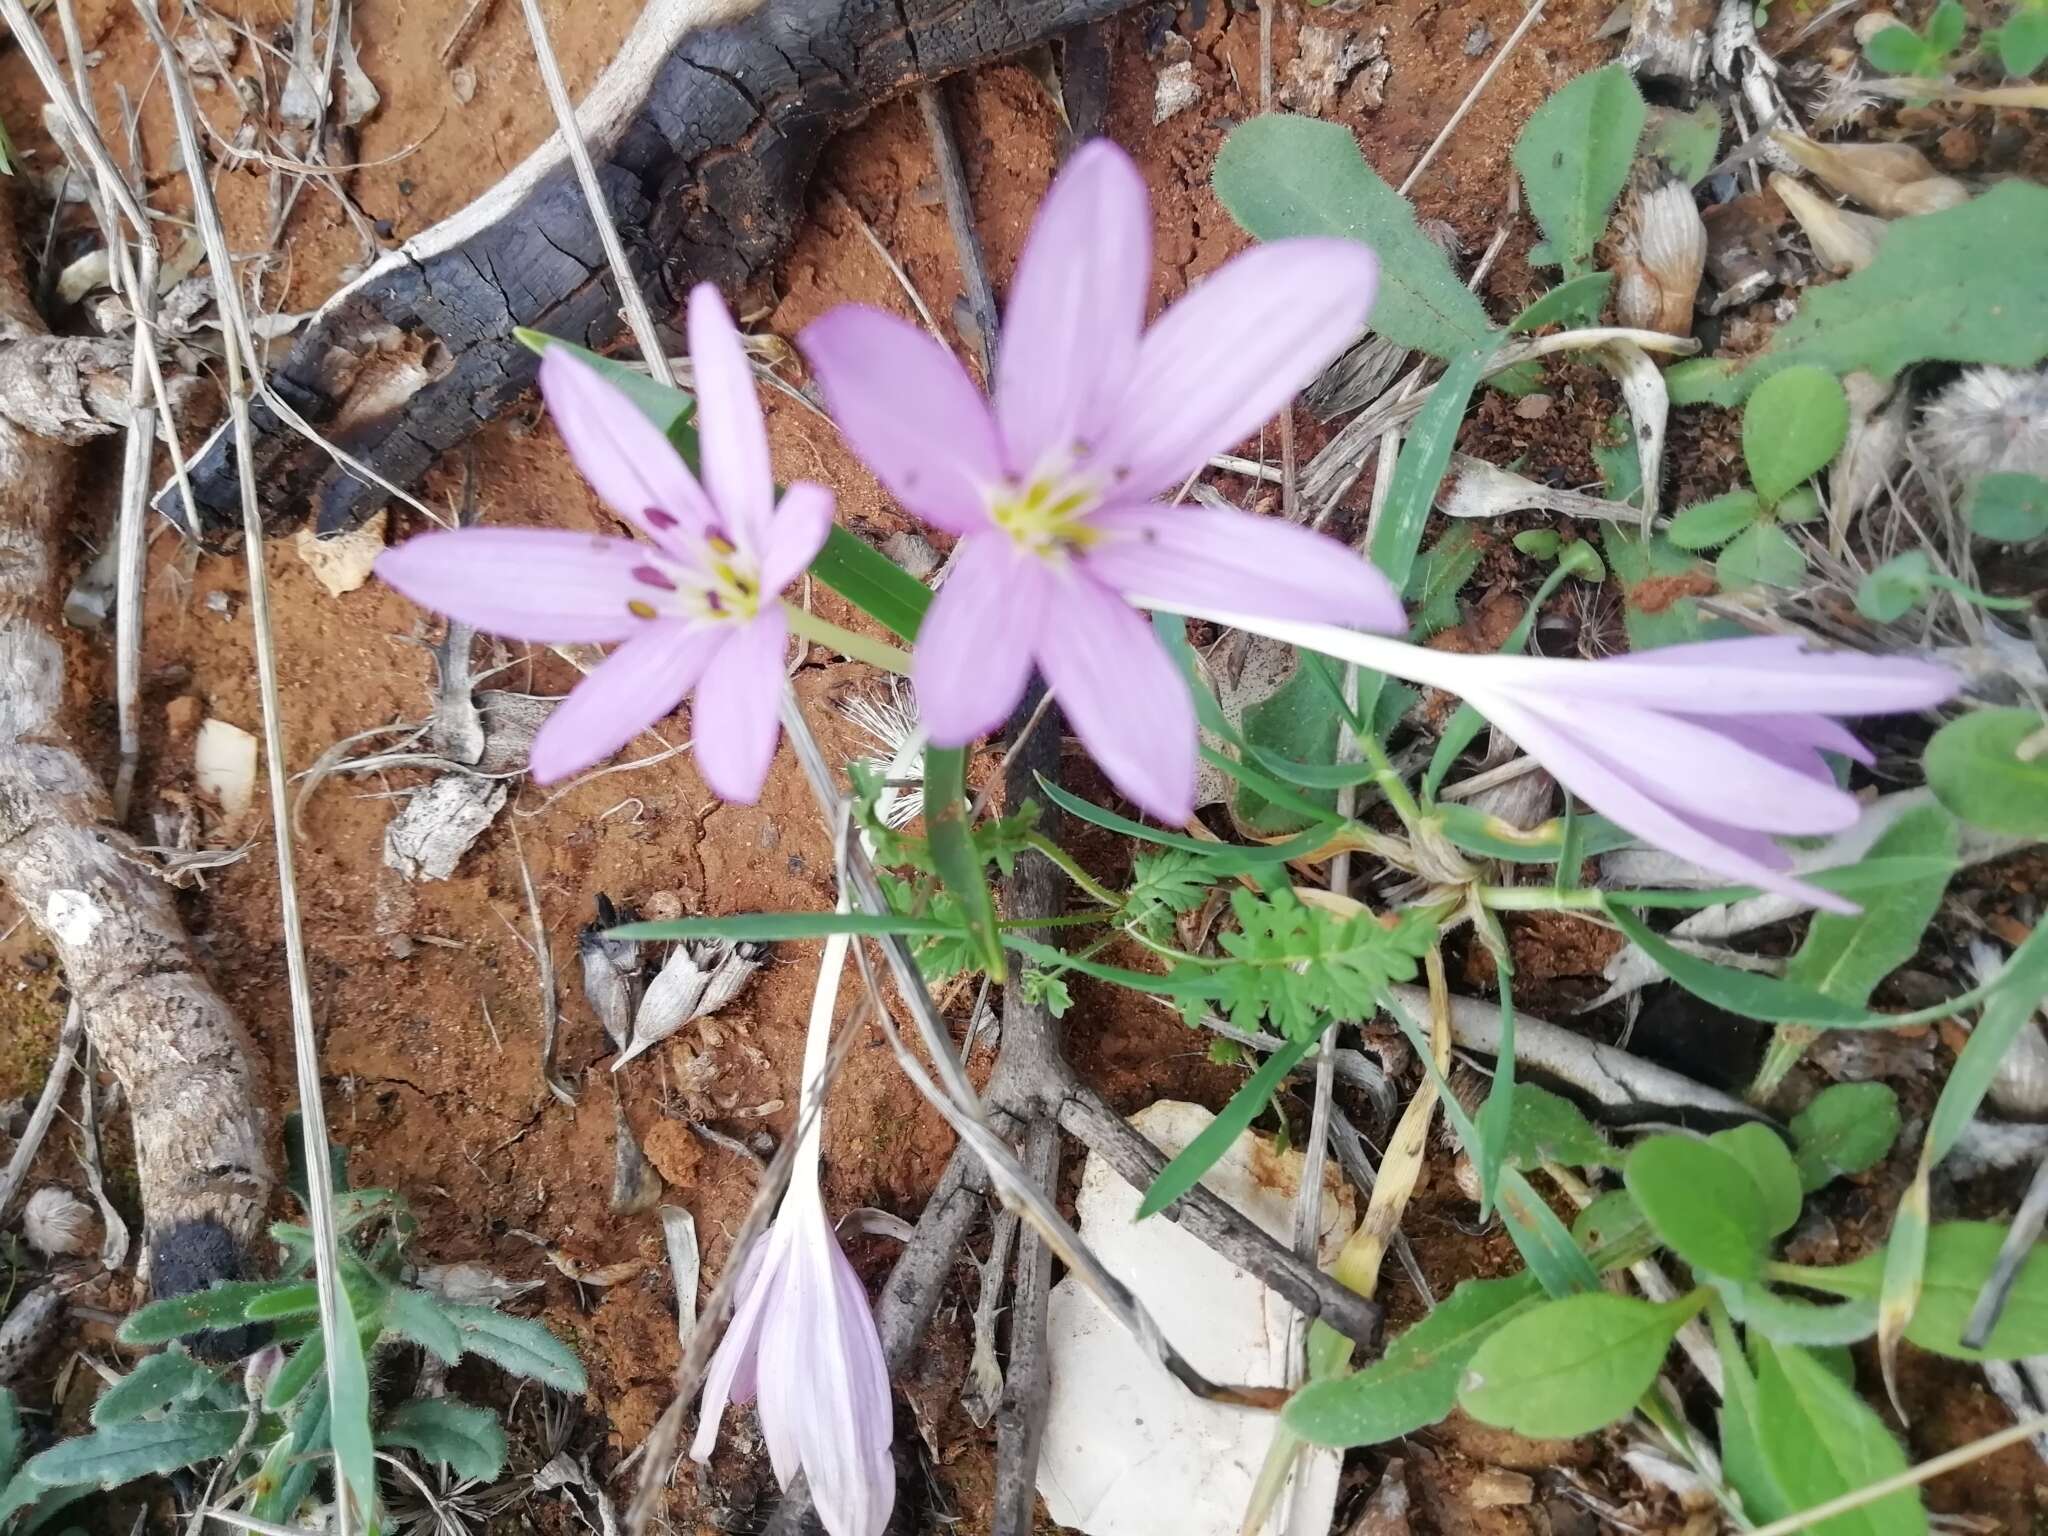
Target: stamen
x: 641, y: 610
x: 657, y: 518
x: 653, y: 577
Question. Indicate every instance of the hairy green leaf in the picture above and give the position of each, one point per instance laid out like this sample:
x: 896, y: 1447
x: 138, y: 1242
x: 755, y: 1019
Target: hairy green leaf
x: 460, y: 1436
x: 120, y: 1453
x: 421, y: 1318
x: 1991, y: 768
x: 1440, y: 571
x: 1686, y: 142
x: 1794, y: 425
x: 1548, y: 1128
x: 1284, y: 176
x: 1763, y: 554
x: 518, y: 1345
x: 1574, y: 156
x: 348, y: 1399
x: 1715, y: 522
x: 1415, y: 1382
x: 159, y: 1380
x: 1702, y: 1202
x: 1571, y: 1366
x: 2011, y: 507
x: 174, y: 1317
x: 1847, y: 1128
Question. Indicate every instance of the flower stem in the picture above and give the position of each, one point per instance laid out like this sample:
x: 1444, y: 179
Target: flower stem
x: 876, y: 653
x: 1073, y: 871
x: 1538, y: 898
x: 810, y: 1107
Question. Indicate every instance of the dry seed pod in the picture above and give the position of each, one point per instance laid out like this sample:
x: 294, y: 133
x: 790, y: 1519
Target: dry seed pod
x: 1843, y: 240
x: 1874, y: 448
x: 2019, y: 1090
x: 1892, y: 179
x: 473, y: 1284
x: 635, y: 1184
x: 611, y: 972
x: 1661, y: 257
x: 1477, y: 489
x: 57, y: 1223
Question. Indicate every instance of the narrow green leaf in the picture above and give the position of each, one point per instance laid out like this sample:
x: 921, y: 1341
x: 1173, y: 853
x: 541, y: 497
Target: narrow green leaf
x: 520, y: 1346
x: 348, y: 1396
x: 1494, y: 838
x: 1763, y: 1155
x: 1794, y: 425
x: 1415, y: 1382
x: 1791, y: 1320
x: 173, y: 1318
x: 1820, y: 1440
x: 1496, y: 1115
x: 1425, y: 455
x: 872, y: 582
x: 294, y: 1461
x: 1227, y: 858
x: 1545, y: 1243
x: 1702, y: 1202
x: 1991, y: 768
x: 1574, y: 156
x: 460, y: 1436
x: 1744, y: 992
x: 1281, y: 177
x: 1847, y: 1128
x: 282, y: 1301
x: 121, y: 1453
x: 298, y: 1371
x: 1959, y: 1259
x: 954, y: 854
x: 1845, y: 957
x: 11, y: 1441
x: 1572, y: 1366
x: 671, y: 410
x: 1577, y: 301
x: 159, y: 1380
x: 1742, y: 1456
x: 421, y: 1318
x: 1185, y: 1171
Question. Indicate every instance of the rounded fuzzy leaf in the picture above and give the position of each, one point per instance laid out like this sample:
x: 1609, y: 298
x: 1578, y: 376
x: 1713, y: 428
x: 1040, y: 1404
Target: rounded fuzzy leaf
x: 2011, y: 508
x: 1574, y: 156
x: 1991, y: 769
x: 1895, y: 588
x: 1762, y: 554
x: 1793, y: 427
x: 1715, y: 522
x: 2022, y: 43
x: 460, y: 1436
x: 1847, y: 1128
x: 1702, y: 1202
x: 1570, y: 1367
x: 1762, y: 1152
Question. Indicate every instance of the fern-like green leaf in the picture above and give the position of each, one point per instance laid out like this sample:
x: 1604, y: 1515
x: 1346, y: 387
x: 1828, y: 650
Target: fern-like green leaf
x: 1299, y: 966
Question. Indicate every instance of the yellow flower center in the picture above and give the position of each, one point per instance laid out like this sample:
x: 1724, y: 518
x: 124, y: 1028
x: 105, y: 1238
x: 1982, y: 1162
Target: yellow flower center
x: 1047, y: 516
x: 726, y: 587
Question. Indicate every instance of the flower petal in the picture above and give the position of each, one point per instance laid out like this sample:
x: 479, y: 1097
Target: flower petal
x: 731, y: 434
x: 1201, y: 556
x: 622, y: 454
x: 910, y: 411
x: 797, y: 531
x: 975, y: 648
x: 1809, y: 733
x: 636, y: 685
x: 1622, y: 801
x: 1077, y: 305
x: 1762, y: 674
x: 1122, y: 694
x: 735, y: 721
x: 1222, y: 361
x: 544, y: 585
x: 1686, y: 764
x: 732, y: 1374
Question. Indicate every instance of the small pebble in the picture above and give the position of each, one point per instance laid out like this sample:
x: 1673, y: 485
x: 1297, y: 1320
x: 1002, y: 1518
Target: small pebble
x: 1533, y: 407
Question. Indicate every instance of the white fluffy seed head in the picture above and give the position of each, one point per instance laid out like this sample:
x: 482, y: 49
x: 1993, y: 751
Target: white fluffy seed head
x: 57, y: 1223
x: 1989, y: 421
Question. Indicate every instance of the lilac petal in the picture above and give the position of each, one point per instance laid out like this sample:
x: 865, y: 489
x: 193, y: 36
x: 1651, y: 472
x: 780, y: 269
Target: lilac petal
x: 910, y: 411
x: 1077, y: 306
x: 1763, y: 674
x: 1814, y: 733
x: 1226, y: 358
x: 733, y: 1375
x: 975, y: 647
x: 1252, y: 565
x: 622, y: 454
x: 797, y: 531
x: 1122, y: 694
x: 1702, y: 770
x: 543, y: 585
x: 1619, y: 798
x: 735, y: 721
x: 730, y: 432
x: 636, y: 685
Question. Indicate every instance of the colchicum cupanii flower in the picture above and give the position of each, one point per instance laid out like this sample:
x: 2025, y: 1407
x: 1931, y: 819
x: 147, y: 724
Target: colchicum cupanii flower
x: 1054, y: 492
x: 802, y: 1343
x: 697, y: 607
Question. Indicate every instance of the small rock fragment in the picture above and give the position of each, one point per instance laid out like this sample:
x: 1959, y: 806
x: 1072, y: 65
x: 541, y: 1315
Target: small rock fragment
x: 1325, y: 61
x: 1533, y: 407
x: 679, y: 1236
x: 1498, y: 1488
x: 1176, y: 92
x: 1386, y: 1512
x: 224, y: 766
x: 342, y: 563
x: 427, y: 839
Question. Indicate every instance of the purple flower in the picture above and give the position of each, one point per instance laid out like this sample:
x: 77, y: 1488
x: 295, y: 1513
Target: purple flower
x: 802, y: 1338
x: 1053, y: 493
x: 1708, y: 751
x: 696, y: 607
